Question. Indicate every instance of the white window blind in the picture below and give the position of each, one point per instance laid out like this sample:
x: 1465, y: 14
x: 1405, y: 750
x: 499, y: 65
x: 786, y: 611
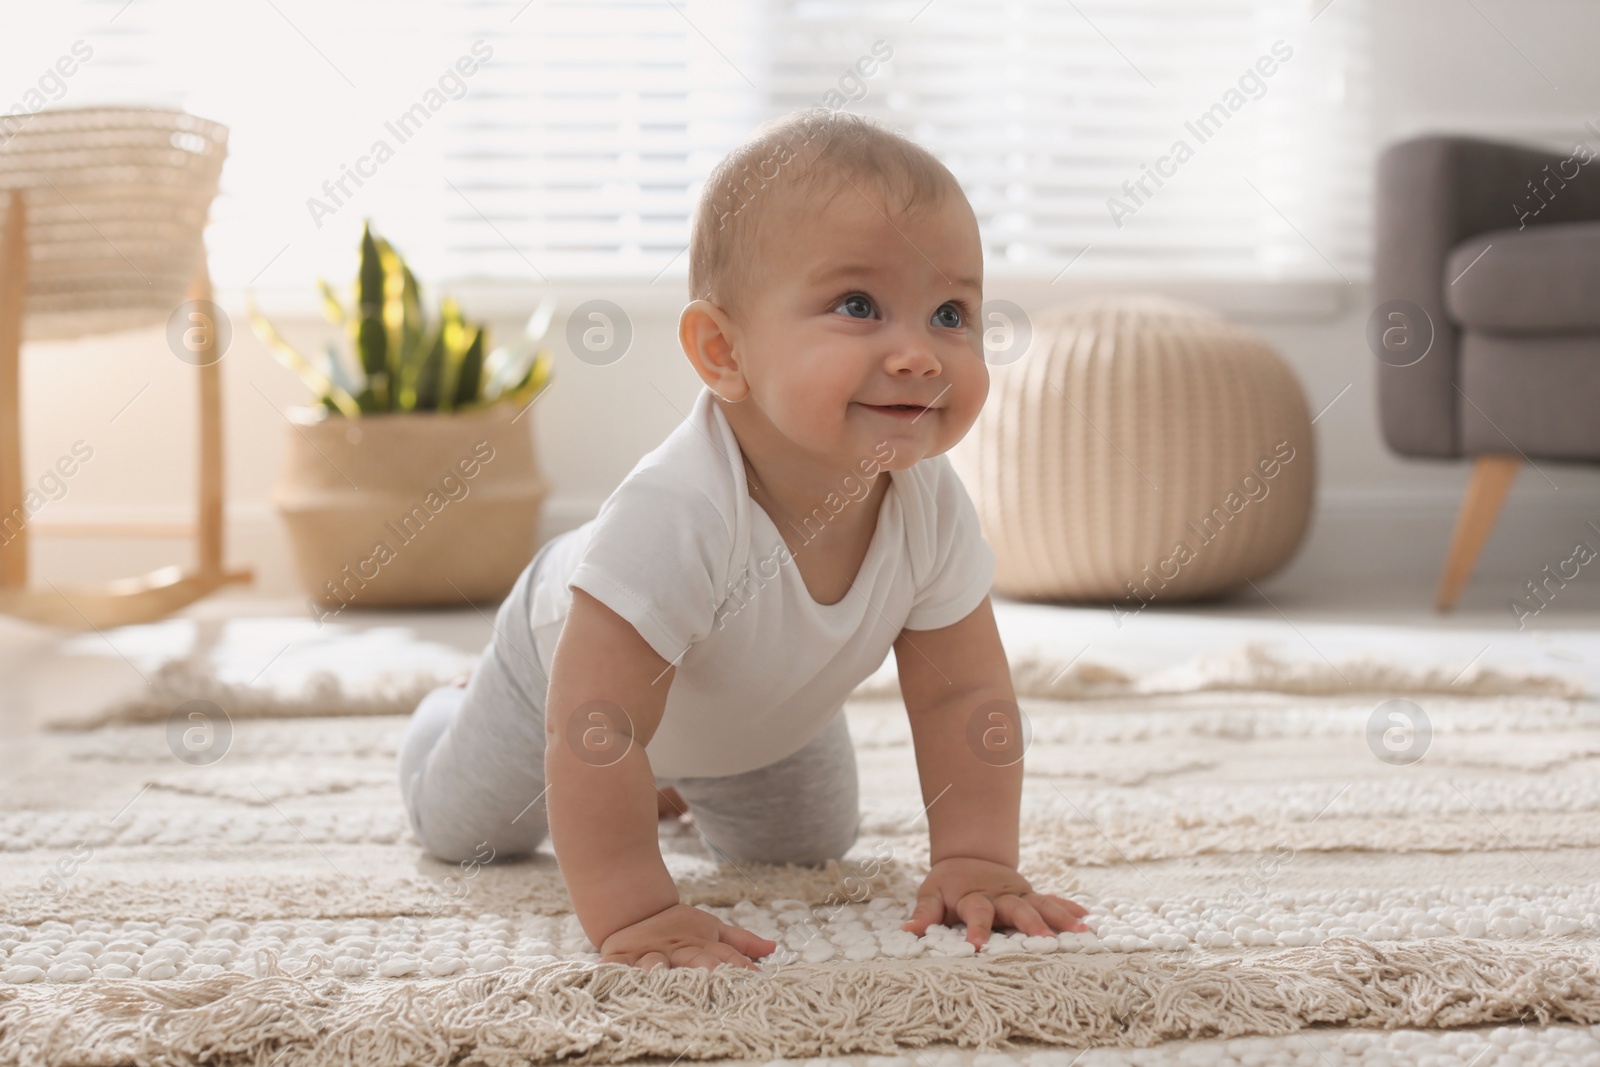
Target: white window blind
x: 1044, y: 108
x: 578, y: 142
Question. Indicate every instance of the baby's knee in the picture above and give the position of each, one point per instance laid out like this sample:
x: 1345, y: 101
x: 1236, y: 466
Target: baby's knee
x: 810, y: 850
x: 434, y: 714
x: 813, y: 854
x: 840, y: 842
x: 480, y: 844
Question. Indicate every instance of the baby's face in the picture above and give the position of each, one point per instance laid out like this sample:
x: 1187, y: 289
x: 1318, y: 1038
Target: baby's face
x: 857, y: 307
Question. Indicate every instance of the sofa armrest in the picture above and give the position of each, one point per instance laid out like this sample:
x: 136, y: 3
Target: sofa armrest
x: 1432, y: 193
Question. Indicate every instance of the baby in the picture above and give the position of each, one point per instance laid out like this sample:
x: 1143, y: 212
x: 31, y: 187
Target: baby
x: 694, y: 643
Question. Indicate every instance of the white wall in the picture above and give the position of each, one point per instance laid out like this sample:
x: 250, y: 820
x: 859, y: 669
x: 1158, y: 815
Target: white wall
x: 1438, y: 65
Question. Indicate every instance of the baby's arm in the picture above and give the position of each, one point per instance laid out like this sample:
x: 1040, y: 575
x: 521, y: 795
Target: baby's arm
x: 602, y: 799
x: 965, y: 727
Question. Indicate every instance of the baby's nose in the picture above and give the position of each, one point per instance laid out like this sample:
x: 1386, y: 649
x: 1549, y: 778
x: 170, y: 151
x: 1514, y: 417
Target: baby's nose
x: 914, y: 355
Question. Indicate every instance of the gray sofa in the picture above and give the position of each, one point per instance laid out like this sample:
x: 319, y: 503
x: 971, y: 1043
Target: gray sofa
x: 1499, y: 246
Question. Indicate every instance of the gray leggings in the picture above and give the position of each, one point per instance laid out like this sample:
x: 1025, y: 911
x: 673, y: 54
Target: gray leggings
x: 472, y: 770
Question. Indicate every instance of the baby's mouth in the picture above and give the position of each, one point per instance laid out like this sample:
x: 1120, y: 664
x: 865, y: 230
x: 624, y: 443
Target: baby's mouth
x: 899, y: 411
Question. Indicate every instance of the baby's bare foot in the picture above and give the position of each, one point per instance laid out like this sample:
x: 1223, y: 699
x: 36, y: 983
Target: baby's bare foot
x: 669, y: 804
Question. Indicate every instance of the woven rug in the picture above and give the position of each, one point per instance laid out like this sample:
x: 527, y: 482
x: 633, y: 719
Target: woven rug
x: 1261, y: 857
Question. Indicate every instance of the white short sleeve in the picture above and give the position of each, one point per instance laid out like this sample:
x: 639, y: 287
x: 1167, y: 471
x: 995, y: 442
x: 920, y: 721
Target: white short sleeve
x: 963, y: 563
x: 658, y: 556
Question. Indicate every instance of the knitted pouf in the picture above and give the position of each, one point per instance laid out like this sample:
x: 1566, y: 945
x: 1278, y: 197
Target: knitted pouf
x: 1140, y: 449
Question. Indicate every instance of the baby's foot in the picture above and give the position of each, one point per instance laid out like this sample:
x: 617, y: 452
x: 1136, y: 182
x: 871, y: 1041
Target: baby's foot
x: 669, y: 804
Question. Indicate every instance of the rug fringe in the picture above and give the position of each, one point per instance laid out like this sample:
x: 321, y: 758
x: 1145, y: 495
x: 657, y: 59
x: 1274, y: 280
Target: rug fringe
x: 603, y: 1014
x: 1254, y: 667
x: 1249, y: 667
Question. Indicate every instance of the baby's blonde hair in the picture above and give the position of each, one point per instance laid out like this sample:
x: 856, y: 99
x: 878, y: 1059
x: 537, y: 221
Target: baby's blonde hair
x: 793, y: 151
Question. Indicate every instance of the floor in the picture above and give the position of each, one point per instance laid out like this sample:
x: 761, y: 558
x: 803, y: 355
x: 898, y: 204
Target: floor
x: 45, y: 675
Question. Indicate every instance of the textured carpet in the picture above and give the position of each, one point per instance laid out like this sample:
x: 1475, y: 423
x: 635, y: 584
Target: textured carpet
x: 1252, y: 867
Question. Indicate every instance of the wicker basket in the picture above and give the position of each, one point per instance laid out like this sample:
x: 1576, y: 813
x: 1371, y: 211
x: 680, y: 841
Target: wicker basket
x: 411, y: 508
x: 1132, y: 426
x: 117, y: 198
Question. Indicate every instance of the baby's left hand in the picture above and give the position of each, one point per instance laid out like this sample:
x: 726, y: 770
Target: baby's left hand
x: 977, y: 892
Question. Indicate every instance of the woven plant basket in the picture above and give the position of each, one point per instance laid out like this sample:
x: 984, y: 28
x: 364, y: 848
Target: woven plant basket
x: 1134, y: 425
x: 411, y: 508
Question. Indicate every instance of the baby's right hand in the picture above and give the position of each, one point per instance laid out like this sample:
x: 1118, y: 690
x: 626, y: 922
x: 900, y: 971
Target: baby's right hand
x: 684, y: 936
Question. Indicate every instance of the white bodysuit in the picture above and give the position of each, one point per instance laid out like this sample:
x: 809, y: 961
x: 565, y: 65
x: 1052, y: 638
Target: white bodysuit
x: 684, y: 553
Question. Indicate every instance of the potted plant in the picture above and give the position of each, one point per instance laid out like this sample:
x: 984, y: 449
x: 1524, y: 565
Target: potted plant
x: 413, y: 479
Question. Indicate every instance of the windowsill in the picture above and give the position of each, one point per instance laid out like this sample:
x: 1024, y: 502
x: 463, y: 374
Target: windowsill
x: 480, y: 298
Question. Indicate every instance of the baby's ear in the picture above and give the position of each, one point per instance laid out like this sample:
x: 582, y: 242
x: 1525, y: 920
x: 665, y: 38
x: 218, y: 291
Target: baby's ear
x: 706, y: 334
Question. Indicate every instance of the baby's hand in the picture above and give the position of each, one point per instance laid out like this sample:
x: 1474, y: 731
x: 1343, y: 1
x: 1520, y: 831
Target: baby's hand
x: 684, y: 936
x: 977, y: 891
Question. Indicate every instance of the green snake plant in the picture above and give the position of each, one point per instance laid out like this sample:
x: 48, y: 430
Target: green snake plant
x: 402, y: 362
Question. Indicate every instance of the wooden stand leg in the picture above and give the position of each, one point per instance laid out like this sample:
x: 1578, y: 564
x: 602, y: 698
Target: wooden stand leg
x: 1492, y: 476
x: 131, y: 600
x: 209, y: 548
x: 13, y: 303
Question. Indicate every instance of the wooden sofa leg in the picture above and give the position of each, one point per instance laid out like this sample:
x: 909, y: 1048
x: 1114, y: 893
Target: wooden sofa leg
x: 1492, y: 476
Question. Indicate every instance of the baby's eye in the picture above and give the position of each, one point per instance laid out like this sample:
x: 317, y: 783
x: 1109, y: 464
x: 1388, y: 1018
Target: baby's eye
x: 949, y: 316
x: 856, y: 305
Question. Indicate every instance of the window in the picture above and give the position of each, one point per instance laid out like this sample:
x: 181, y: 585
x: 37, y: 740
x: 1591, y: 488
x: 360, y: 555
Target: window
x: 564, y: 139
x: 1223, y: 139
